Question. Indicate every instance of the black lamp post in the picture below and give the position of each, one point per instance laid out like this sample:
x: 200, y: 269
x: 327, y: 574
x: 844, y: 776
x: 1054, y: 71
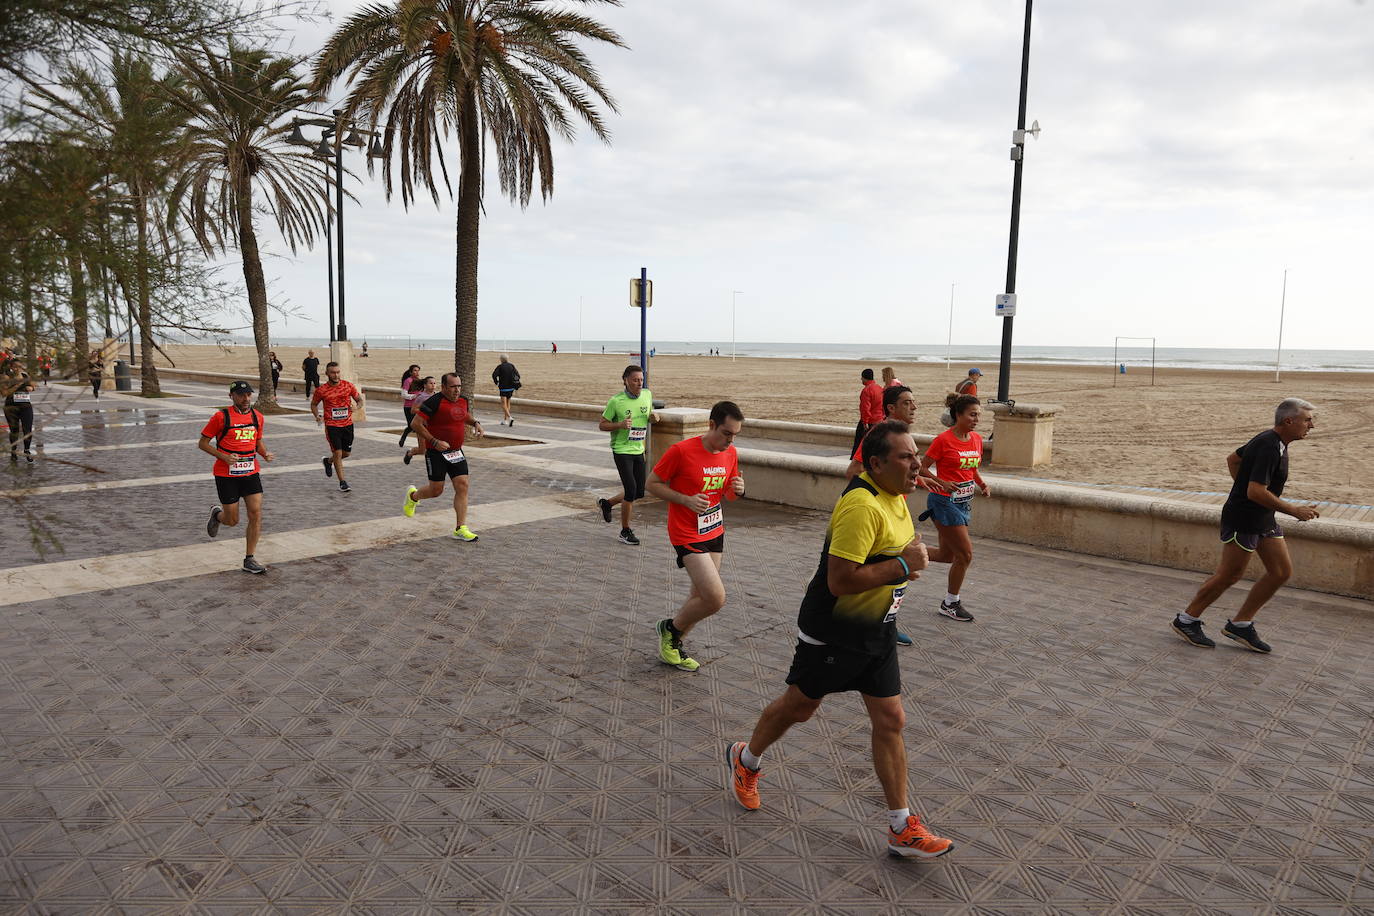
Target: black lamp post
x: 324, y: 151
x: 1018, y: 139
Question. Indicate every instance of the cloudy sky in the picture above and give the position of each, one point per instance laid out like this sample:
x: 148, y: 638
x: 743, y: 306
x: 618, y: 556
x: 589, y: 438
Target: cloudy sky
x: 843, y: 165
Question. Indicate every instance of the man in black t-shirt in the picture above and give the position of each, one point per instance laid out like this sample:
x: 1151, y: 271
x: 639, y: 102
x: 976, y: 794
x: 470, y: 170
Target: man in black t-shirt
x: 311, y: 367
x: 1248, y: 526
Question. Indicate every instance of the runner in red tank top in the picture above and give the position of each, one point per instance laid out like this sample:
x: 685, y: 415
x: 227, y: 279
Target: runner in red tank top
x: 338, y: 398
x: 692, y: 477
x: 950, y: 467
x: 234, y: 438
x: 439, y: 424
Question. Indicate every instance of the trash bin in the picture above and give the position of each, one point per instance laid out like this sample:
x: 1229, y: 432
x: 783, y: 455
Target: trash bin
x: 123, y: 382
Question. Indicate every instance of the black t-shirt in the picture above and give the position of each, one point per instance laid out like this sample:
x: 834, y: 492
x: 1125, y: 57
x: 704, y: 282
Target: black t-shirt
x: 311, y: 365
x: 1264, y: 459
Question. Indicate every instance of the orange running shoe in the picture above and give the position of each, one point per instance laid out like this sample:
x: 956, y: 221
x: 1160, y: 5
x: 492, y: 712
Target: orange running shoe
x: 916, y: 840
x: 744, y: 780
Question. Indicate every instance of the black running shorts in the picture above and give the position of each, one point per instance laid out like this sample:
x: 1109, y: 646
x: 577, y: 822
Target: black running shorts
x: 340, y: 438
x: 715, y: 545
x: 437, y: 467
x: 231, y: 489
x: 634, y: 471
x: 821, y: 670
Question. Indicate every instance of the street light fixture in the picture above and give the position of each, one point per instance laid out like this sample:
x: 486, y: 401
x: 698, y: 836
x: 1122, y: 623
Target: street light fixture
x: 734, y: 296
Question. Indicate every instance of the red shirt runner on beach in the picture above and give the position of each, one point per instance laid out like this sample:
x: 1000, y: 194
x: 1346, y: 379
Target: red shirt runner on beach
x: 239, y: 438
x: 689, y: 468
x: 338, y: 411
x: 871, y: 403
x: 446, y: 420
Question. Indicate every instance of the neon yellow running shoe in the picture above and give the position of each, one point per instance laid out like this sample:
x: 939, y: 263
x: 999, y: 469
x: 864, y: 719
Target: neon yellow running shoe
x: 464, y: 533
x: 408, y: 507
x: 670, y: 649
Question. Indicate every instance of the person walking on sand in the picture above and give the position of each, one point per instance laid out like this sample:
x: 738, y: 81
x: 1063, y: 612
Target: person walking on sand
x: 1249, y: 526
x: 890, y: 379
x: 507, y: 379
x: 969, y: 384
x: 870, y: 406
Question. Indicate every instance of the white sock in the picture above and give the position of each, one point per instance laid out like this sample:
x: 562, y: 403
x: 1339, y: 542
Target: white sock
x: 896, y: 817
x: 1242, y: 623
x: 752, y: 761
x: 1185, y: 617
x: 950, y: 598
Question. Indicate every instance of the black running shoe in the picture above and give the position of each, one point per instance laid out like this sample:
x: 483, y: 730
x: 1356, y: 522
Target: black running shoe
x: 343, y: 485
x: 1192, y: 633
x: 328, y: 467
x: 605, y: 507
x: 1247, y: 637
x: 212, y: 526
x: 251, y: 565
x: 955, y: 611
x: 627, y: 536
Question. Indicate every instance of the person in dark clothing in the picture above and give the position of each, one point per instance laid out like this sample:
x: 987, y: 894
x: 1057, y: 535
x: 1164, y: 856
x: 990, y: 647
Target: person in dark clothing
x: 1259, y: 469
x: 410, y: 382
x: 311, y: 367
x: 507, y: 379
x: 19, y: 414
x: 96, y: 372
x: 276, y: 369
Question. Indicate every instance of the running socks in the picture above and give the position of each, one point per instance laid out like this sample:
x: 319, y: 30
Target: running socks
x: 1185, y: 617
x: 754, y: 762
x: 896, y: 817
x: 950, y: 598
x: 1240, y: 623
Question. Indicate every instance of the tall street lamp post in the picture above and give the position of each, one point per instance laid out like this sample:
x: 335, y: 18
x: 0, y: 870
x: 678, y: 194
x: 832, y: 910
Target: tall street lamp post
x: 340, y: 348
x: 1018, y: 139
x: 734, y: 298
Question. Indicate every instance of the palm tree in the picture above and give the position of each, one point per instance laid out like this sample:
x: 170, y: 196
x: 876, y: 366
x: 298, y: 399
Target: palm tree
x: 144, y: 139
x: 505, y: 71
x: 241, y: 102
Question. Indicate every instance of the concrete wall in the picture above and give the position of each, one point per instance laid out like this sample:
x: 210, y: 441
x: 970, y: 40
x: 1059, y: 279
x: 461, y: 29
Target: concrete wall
x: 1328, y: 555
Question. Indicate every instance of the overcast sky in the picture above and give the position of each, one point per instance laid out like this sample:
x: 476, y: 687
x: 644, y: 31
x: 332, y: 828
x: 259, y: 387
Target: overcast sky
x: 842, y: 165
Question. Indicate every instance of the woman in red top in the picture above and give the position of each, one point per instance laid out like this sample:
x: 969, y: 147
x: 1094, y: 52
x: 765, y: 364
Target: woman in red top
x: 950, y: 466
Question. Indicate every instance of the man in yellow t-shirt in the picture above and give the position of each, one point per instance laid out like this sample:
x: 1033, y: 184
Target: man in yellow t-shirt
x: 847, y: 631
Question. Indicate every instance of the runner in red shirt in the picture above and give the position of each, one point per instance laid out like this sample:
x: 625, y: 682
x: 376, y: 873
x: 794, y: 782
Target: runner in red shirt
x: 238, y: 441
x: 338, y: 398
x: 692, y: 477
x: 950, y: 468
x: 439, y: 424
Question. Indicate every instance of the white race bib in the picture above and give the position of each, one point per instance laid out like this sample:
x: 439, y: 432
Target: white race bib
x: 453, y: 456
x: 23, y: 397
x: 637, y: 433
x: 709, y: 520
x: 338, y: 413
x: 898, y: 594
x: 963, y: 492
x: 242, y: 467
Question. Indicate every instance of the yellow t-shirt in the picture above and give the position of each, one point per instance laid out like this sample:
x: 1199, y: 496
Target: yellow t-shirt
x: 867, y: 525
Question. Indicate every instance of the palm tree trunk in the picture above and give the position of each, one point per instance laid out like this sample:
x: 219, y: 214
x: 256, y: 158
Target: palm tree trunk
x: 149, y: 386
x: 80, y: 318
x: 256, y: 282
x: 469, y: 217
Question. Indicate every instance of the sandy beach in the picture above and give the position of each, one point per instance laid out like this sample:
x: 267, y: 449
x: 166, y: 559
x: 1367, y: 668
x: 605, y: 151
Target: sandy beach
x: 1174, y: 435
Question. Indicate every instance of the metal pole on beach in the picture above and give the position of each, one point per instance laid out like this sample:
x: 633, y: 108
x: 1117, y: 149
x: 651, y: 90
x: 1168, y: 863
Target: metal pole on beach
x: 644, y: 323
x: 1283, y: 302
x: 949, y: 340
x: 734, y: 297
x: 579, y: 325
x: 1018, y: 155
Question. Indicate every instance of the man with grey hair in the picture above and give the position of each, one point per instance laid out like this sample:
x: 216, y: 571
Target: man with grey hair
x: 1248, y: 526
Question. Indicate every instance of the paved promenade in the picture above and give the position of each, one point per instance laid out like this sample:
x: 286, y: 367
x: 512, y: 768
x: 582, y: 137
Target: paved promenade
x: 391, y: 721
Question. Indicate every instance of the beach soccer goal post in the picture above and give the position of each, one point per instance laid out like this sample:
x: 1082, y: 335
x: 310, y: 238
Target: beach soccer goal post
x: 1135, y: 352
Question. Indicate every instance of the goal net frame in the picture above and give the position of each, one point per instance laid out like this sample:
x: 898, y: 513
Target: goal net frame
x: 1116, y: 357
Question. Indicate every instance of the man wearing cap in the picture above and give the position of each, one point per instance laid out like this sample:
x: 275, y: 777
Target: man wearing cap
x: 969, y: 385
x: 236, y: 433
x: 870, y: 407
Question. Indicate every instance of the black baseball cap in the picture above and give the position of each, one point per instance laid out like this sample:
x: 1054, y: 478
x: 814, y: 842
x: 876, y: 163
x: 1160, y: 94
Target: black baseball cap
x: 240, y: 385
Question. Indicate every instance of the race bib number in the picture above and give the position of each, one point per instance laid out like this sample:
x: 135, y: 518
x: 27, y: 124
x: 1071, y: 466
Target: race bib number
x: 637, y: 433
x: 22, y: 397
x: 898, y: 594
x: 242, y: 467
x: 964, y: 492
x: 709, y: 520
x: 338, y: 413
x: 453, y: 456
